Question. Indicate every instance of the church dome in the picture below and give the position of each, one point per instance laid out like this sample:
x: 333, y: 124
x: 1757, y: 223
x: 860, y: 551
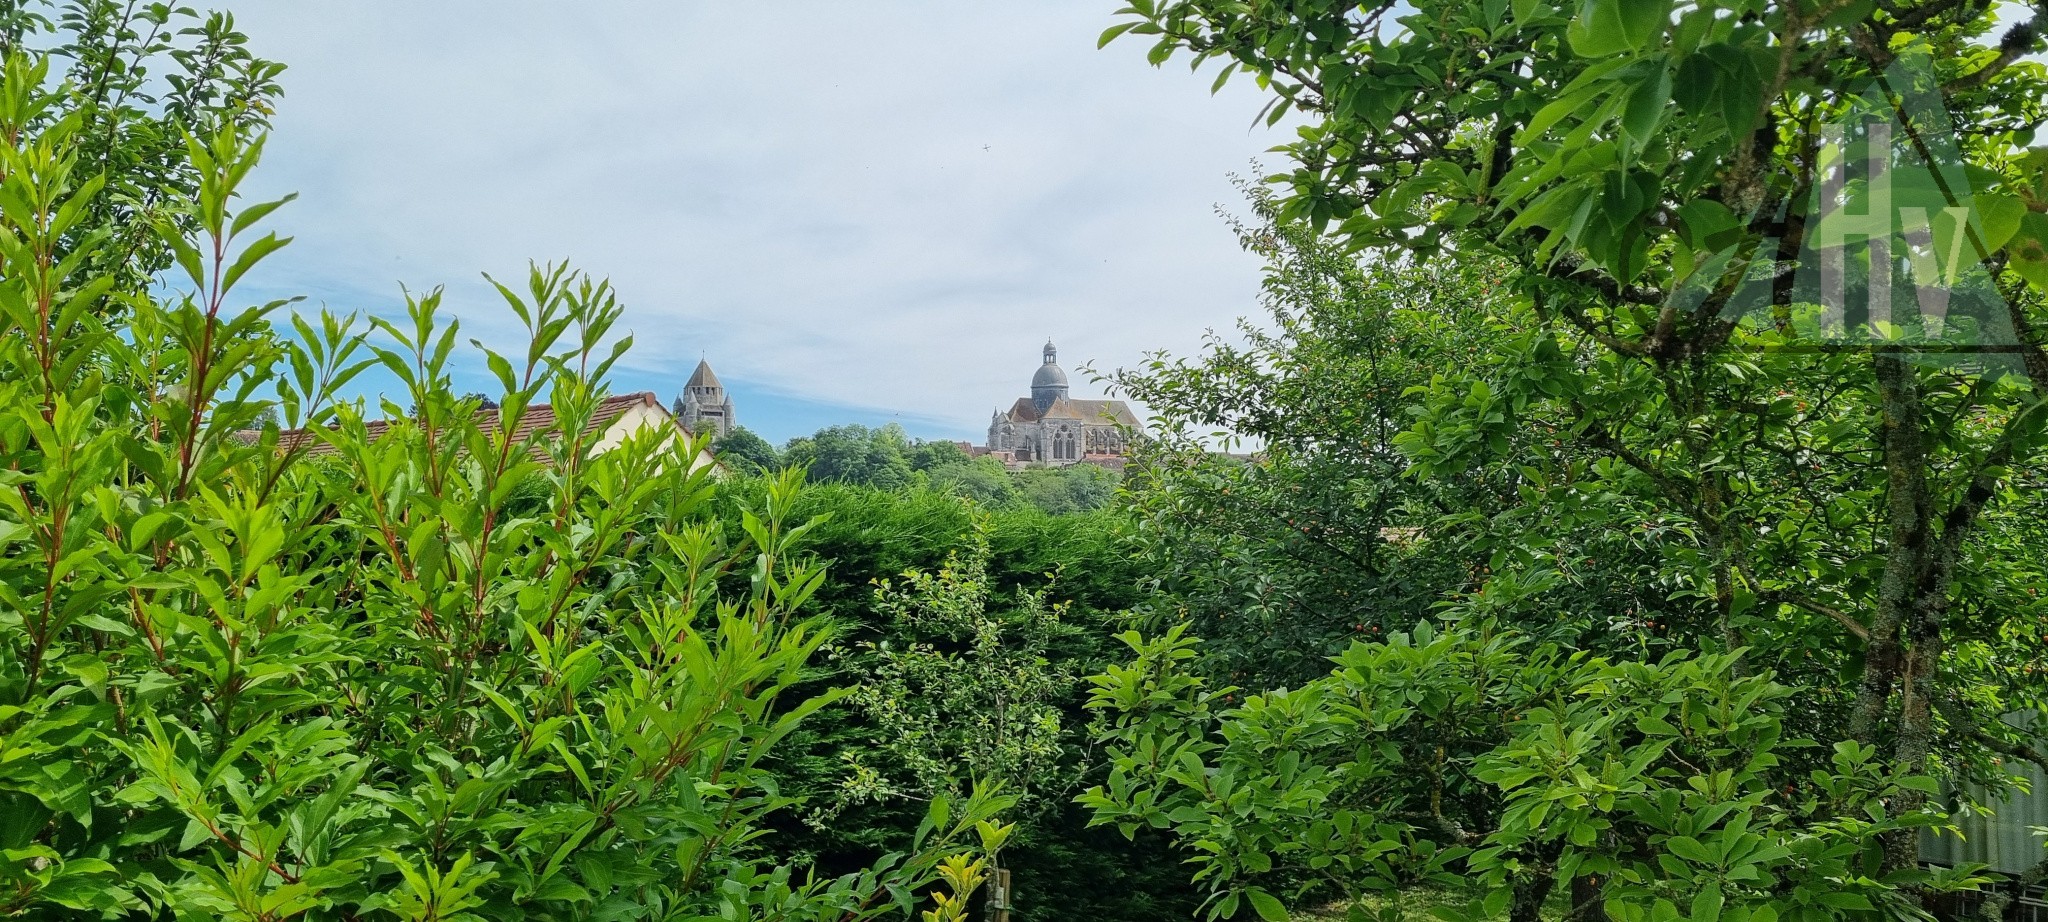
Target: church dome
x: 1050, y: 383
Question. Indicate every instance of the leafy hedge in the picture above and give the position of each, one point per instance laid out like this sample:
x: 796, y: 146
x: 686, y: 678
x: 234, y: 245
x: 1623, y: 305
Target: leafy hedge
x: 1081, y: 563
x: 356, y: 671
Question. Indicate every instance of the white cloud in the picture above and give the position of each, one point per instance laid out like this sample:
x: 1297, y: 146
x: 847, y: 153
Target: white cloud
x: 880, y: 205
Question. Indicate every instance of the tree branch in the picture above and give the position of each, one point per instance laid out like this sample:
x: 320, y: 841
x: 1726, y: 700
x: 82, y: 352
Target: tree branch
x: 1844, y: 618
x: 2017, y: 42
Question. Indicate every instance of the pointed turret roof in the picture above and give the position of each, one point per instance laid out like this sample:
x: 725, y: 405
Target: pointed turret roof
x: 704, y: 376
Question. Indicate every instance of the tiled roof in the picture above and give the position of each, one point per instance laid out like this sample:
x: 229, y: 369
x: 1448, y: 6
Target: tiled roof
x: 537, y: 417
x: 703, y: 376
x: 1087, y: 411
x: 1023, y: 411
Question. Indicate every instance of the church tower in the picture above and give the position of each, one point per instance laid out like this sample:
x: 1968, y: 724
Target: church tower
x: 1050, y: 427
x: 1049, y: 385
x: 704, y: 408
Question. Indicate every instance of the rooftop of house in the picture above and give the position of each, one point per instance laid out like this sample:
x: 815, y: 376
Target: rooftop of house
x: 538, y: 418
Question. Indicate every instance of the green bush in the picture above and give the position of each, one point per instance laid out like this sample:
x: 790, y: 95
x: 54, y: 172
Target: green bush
x: 1650, y: 790
x: 345, y: 672
x: 1062, y: 870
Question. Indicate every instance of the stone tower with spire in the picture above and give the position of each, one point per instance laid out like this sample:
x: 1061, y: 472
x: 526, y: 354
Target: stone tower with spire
x: 704, y: 407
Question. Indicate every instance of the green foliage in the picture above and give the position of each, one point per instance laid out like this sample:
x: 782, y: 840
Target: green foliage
x: 1062, y: 870
x: 1283, y: 558
x: 1067, y: 490
x: 887, y: 459
x: 1801, y: 445
x: 1596, y: 126
x: 929, y: 456
x: 1466, y: 754
x: 137, y: 77
x: 853, y: 454
x: 983, y: 480
x: 301, y: 671
x: 744, y: 451
x: 964, y: 690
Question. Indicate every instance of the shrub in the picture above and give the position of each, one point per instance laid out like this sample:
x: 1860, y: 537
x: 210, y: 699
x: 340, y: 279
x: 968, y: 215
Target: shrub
x: 1652, y: 790
x: 311, y: 668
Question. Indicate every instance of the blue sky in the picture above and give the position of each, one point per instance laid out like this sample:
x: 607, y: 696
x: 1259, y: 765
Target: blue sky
x: 859, y: 212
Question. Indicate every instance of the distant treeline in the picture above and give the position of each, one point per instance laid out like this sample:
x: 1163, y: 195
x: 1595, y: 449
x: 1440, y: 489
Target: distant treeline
x: 887, y: 458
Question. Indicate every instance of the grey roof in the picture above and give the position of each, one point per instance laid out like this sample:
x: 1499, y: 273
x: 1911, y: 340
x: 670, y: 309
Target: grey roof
x: 703, y: 376
x: 1049, y: 375
x: 1086, y: 411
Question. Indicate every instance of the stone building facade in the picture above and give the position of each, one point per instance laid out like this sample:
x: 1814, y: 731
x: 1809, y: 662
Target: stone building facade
x: 1050, y: 427
x: 704, y: 407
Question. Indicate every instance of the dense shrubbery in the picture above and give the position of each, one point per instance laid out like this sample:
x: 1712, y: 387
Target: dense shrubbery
x: 1537, y: 586
x: 1474, y: 757
x: 1079, y: 564
x: 1513, y: 750
x: 886, y: 458
x: 1665, y: 415
x: 266, y: 677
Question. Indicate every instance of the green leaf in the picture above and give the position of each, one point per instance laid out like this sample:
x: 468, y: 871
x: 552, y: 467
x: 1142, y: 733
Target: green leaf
x: 1606, y: 27
x: 188, y: 255
x: 1110, y: 34
x: 89, y: 669
x: 255, y: 213
x: 1741, y: 87
x: 264, y: 246
x: 1690, y: 849
x: 2028, y: 250
x: 1496, y: 901
x: 1921, y: 783
x: 1704, y: 221
x: 1840, y: 900
x: 1266, y: 905
x: 1697, y: 81
x: 1706, y: 906
x: 1999, y: 218
x: 1647, y: 104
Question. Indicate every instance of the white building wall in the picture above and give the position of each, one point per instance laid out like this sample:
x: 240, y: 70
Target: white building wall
x: 641, y: 418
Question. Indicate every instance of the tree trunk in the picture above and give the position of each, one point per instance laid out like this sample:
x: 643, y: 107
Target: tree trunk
x: 998, y: 904
x: 1912, y: 597
x: 1909, y: 511
x: 1589, y: 899
x: 1530, y: 892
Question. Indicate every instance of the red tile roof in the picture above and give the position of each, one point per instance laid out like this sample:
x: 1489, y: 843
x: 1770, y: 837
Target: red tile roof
x: 538, y: 417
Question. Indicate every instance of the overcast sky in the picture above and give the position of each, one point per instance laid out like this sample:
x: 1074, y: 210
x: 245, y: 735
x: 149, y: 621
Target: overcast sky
x: 859, y: 212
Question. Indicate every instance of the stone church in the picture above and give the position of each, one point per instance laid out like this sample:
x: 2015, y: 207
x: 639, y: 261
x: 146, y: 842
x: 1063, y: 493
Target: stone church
x: 704, y: 406
x: 1050, y: 427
